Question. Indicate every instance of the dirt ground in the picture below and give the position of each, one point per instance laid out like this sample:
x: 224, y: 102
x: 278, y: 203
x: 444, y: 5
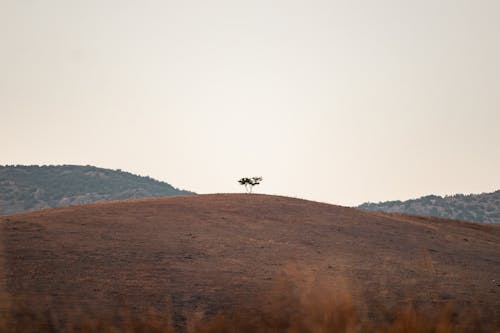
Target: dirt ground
x: 216, y: 252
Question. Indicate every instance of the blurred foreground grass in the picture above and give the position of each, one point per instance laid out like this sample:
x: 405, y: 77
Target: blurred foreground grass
x: 289, y: 308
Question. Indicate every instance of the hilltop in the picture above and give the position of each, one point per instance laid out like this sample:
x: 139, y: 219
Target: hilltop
x: 26, y: 188
x: 483, y: 207
x: 216, y: 252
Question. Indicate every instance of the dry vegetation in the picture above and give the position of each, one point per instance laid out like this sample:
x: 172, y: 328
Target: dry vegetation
x: 196, y: 263
x: 289, y: 307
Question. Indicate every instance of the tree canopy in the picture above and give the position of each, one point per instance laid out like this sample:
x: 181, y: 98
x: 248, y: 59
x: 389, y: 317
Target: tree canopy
x: 249, y: 183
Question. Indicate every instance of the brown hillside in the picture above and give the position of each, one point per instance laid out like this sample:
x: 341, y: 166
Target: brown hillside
x: 217, y: 251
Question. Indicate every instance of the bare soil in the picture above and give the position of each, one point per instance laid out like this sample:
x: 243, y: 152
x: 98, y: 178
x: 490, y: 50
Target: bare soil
x: 216, y: 252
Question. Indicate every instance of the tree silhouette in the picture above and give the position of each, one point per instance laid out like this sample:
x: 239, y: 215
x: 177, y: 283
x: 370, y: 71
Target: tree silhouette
x: 249, y: 183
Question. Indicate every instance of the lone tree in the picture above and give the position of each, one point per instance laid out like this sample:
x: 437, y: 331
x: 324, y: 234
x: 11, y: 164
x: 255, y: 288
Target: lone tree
x: 249, y: 183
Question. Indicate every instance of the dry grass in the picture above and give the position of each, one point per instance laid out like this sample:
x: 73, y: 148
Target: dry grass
x: 295, y: 305
x: 217, y: 252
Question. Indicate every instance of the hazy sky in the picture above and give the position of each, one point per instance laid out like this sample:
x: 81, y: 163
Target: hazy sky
x: 336, y: 101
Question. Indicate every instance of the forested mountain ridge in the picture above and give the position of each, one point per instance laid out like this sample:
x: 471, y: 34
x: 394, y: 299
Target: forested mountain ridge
x: 26, y: 188
x: 483, y: 207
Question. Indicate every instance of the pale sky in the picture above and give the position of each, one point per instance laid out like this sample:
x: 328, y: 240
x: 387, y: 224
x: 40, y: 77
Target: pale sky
x: 335, y: 101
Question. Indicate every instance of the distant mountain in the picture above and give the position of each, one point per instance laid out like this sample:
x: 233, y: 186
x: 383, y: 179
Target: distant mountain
x: 25, y: 188
x: 483, y: 207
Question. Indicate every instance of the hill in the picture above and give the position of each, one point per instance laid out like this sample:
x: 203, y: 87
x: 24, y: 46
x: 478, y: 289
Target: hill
x: 216, y: 252
x: 483, y: 207
x: 25, y: 188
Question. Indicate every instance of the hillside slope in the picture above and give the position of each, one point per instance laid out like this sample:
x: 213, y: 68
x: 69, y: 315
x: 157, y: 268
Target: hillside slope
x: 217, y: 251
x: 483, y: 207
x: 25, y: 188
